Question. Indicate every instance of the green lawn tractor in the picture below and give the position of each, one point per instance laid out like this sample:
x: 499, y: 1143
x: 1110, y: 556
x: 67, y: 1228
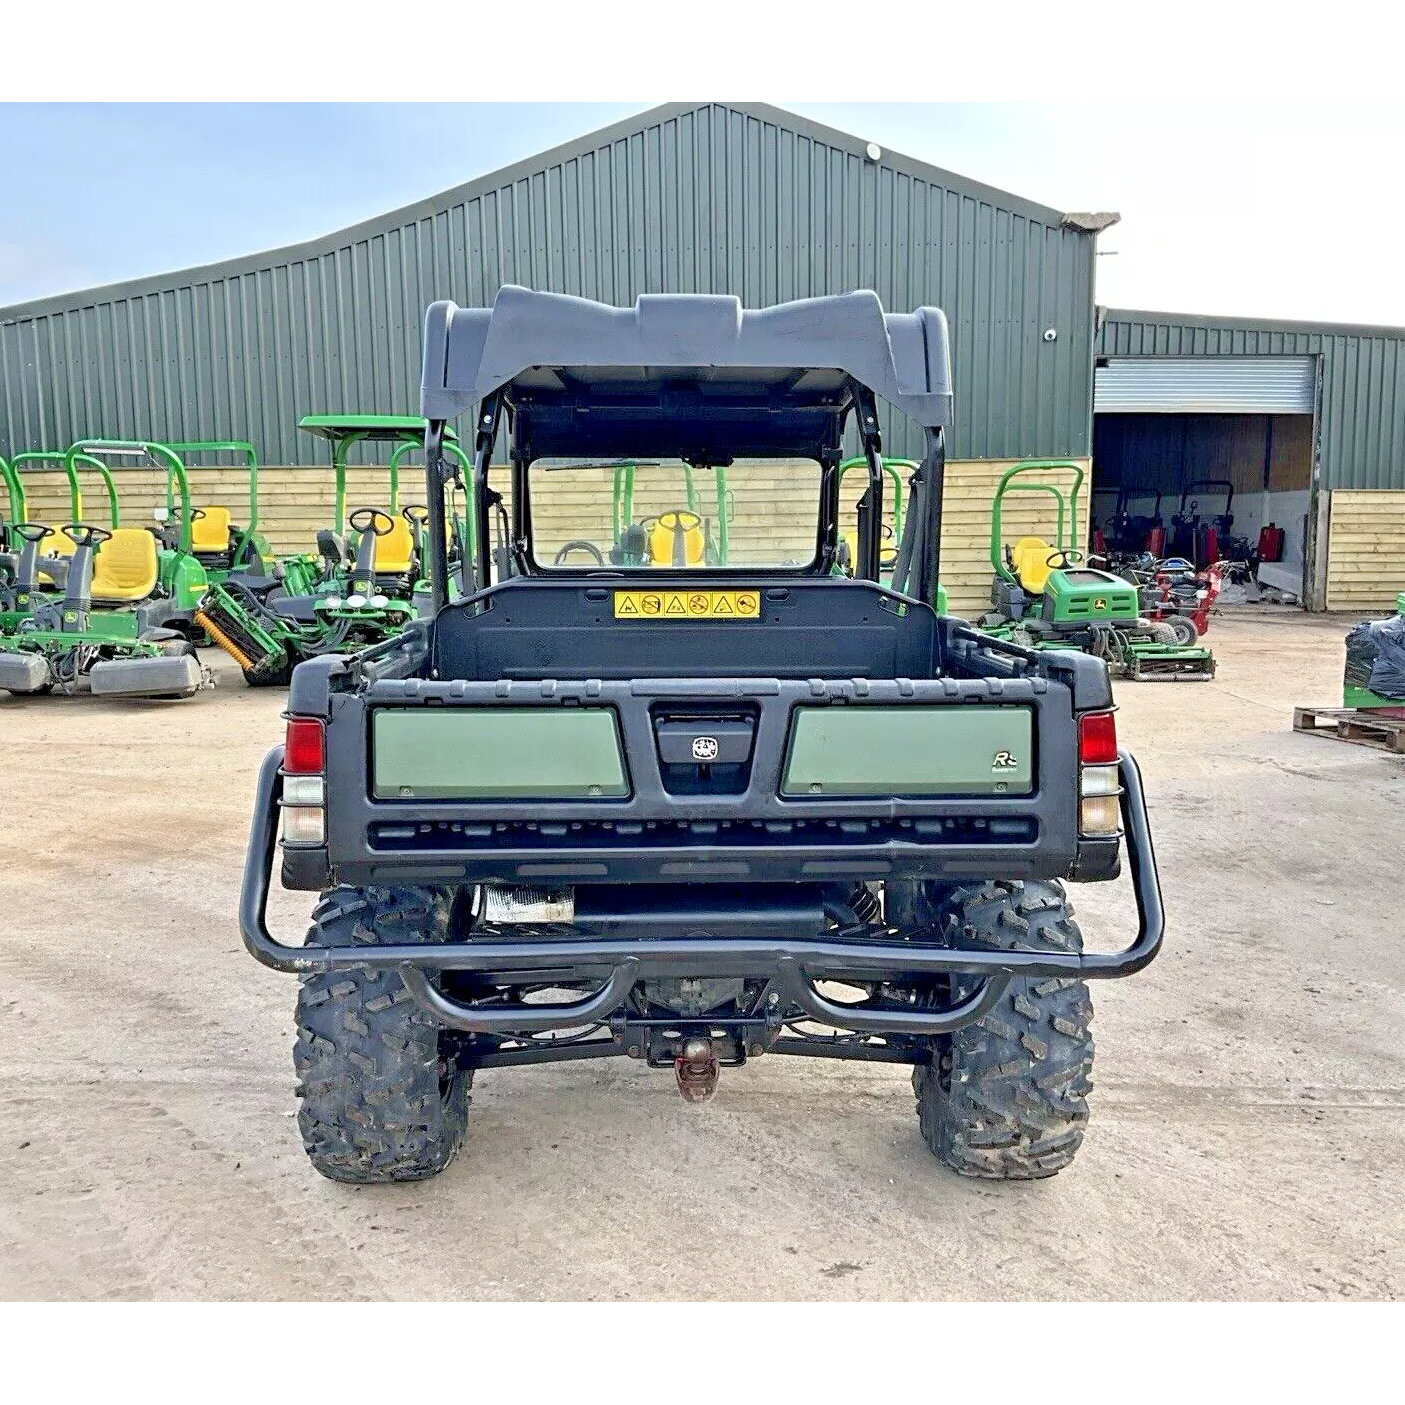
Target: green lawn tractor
x: 355, y: 591
x: 106, y: 630
x: 679, y: 538
x: 221, y: 545
x: 1045, y: 596
x: 55, y: 548
x: 14, y: 513
x: 181, y: 580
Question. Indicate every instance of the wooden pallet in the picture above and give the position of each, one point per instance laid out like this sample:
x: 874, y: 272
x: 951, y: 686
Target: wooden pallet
x: 1353, y: 724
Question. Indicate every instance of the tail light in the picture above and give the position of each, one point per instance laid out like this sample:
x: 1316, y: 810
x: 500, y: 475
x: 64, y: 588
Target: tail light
x: 1099, y: 787
x: 304, y: 782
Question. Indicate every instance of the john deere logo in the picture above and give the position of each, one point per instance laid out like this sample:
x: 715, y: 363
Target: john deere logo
x: 704, y: 748
x: 1100, y: 603
x: 1003, y: 761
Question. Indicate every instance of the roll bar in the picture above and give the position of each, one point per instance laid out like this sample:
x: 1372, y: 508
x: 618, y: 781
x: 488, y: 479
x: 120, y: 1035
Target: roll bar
x: 1067, y: 499
x: 222, y: 446
x: 75, y: 491
x: 159, y: 455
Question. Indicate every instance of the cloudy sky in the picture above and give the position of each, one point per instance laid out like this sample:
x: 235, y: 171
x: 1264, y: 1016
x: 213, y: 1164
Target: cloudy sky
x: 1255, y: 210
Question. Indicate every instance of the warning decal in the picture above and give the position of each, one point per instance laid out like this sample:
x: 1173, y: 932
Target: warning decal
x: 688, y: 604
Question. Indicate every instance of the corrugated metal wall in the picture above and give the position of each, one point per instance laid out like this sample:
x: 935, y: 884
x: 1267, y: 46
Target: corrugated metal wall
x: 1363, y: 379
x: 711, y: 198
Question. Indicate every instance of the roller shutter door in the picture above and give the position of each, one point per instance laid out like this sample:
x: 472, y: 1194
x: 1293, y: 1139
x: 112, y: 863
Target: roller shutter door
x: 1212, y: 385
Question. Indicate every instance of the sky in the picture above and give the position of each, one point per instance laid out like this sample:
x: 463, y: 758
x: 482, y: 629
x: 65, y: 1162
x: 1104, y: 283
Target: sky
x: 1264, y: 210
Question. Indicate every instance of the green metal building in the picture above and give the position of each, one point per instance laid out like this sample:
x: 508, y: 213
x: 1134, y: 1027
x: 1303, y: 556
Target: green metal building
x: 739, y: 198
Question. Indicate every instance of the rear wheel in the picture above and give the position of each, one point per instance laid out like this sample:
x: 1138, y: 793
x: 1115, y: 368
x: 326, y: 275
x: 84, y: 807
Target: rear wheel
x: 1184, y: 630
x: 1006, y: 1098
x: 1163, y: 632
x: 380, y: 1102
x: 279, y: 675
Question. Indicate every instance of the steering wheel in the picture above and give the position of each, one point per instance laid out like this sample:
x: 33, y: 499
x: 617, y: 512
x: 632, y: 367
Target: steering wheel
x: 679, y: 517
x: 578, y: 545
x: 34, y: 531
x: 416, y: 514
x: 370, y: 521
x: 196, y: 513
x: 1061, y: 560
x: 81, y: 534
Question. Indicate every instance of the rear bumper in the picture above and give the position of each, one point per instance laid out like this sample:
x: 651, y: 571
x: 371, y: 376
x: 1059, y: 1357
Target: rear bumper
x: 792, y: 964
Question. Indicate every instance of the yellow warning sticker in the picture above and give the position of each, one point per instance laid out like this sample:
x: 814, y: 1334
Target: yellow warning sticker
x: 679, y: 605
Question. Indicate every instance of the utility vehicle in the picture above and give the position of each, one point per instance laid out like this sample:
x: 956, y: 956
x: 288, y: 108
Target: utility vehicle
x: 694, y: 816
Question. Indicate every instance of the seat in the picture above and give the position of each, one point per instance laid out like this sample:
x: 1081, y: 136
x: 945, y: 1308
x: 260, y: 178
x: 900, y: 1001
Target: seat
x: 1029, y: 558
x: 209, y: 535
x: 125, y: 567
x: 887, y: 549
x: 661, y: 539
x: 394, y: 551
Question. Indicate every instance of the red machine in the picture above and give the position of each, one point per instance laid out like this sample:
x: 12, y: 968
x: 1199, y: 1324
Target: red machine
x: 1185, y: 595
x: 1271, y: 541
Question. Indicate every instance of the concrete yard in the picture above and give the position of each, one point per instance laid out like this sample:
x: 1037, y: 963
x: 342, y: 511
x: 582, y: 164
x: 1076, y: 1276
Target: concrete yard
x: 1248, y: 1126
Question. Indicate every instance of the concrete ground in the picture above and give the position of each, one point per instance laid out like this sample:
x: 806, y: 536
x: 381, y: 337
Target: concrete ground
x: 1248, y: 1123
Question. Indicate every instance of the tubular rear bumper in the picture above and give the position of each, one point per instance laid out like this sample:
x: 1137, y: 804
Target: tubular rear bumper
x: 793, y: 964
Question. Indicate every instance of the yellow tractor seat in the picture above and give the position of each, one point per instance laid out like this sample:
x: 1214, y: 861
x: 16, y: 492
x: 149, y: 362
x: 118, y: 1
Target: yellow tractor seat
x: 209, y: 535
x: 395, y: 550
x: 60, y: 544
x: 125, y: 567
x: 1029, y: 558
x: 887, y: 550
x: 664, y: 531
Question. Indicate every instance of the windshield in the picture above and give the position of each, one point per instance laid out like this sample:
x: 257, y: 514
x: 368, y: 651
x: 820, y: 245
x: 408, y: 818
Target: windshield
x: 667, y: 513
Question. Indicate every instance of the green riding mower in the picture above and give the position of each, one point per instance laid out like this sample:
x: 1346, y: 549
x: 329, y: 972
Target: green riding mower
x: 14, y: 513
x: 106, y: 629
x: 1046, y: 596
x: 355, y: 591
x: 221, y: 545
x: 54, y: 549
x: 682, y: 537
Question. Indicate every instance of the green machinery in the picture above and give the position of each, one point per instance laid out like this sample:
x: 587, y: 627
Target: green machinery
x: 53, y: 548
x: 679, y: 537
x: 1045, y: 596
x: 221, y: 545
x: 10, y: 541
x: 349, y: 594
x: 129, y: 595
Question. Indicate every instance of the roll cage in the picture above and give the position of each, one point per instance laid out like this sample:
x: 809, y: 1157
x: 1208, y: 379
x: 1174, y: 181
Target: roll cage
x: 696, y: 378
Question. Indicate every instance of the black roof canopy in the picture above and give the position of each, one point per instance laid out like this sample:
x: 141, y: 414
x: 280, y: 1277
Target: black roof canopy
x: 691, y: 375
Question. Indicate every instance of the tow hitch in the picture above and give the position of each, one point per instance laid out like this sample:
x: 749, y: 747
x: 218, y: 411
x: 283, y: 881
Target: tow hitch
x: 696, y: 1068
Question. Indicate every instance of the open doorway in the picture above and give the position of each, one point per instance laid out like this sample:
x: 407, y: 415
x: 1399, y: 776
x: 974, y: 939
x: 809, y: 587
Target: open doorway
x: 1208, y: 458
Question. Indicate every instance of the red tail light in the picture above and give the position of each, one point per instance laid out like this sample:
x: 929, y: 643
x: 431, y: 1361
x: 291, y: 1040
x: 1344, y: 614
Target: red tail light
x: 303, y: 751
x: 1097, y: 739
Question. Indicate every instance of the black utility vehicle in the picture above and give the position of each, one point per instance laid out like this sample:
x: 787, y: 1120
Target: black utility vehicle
x: 628, y: 802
